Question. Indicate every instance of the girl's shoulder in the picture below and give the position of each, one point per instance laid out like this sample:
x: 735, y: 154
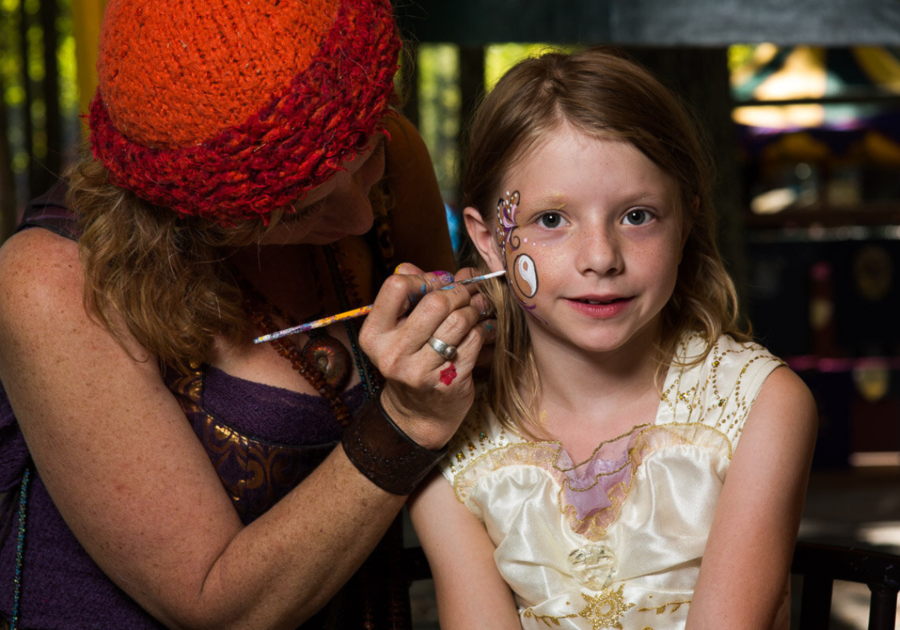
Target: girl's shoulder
x: 716, y: 383
x: 480, y: 433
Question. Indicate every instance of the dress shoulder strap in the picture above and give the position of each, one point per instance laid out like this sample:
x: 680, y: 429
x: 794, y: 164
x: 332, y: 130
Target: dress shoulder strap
x: 49, y: 211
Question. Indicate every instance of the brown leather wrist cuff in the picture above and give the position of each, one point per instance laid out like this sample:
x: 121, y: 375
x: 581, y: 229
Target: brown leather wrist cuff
x: 384, y: 453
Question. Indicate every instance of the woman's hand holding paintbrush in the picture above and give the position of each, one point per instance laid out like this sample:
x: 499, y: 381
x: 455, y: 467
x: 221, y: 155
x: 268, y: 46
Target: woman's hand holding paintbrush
x: 426, y: 349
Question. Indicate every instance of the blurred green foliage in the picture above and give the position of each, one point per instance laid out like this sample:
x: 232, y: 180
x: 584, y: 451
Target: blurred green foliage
x: 13, y: 79
x: 440, y: 100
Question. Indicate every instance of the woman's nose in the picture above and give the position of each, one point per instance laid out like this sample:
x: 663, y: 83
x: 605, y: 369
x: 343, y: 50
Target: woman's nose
x: 371, y: 171
x: 351, y: 207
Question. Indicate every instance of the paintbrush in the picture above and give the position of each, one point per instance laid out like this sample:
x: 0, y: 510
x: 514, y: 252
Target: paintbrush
x: 357, y: 312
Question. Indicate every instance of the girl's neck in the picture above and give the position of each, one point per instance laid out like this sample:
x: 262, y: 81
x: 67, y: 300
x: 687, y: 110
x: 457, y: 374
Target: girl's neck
x: 597, y: 396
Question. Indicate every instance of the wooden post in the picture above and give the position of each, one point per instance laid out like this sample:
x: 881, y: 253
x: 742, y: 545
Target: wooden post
x: 471, y: 87
x: 87, y: 15
x: 8, y: 216
x: 51, y: 163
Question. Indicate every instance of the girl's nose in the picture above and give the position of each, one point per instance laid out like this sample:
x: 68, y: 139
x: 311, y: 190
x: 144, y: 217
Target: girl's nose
x: 599, y: 252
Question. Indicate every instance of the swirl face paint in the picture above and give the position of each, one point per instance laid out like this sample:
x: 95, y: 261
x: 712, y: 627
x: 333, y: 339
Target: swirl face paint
x: 524, y: 277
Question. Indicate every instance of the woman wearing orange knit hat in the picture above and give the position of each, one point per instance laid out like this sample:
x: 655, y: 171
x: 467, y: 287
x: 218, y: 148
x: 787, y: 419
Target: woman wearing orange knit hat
x: 246, y: 172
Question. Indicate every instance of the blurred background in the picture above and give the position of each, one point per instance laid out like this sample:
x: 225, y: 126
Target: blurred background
x: 801, y: 101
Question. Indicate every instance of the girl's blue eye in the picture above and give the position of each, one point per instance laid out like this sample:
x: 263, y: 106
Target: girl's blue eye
x: 637, y: 217
x: 550, y: 220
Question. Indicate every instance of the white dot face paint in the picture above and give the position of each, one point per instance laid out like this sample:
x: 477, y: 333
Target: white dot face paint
x: 526, y: 277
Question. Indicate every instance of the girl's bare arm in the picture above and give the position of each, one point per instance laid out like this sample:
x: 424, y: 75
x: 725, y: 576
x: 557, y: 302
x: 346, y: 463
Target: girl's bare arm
x: 744, y: 576
x: 470, y: 591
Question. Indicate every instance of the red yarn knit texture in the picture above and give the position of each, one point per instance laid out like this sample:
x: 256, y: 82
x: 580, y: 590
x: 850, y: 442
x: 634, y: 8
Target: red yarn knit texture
x: 291, y: 141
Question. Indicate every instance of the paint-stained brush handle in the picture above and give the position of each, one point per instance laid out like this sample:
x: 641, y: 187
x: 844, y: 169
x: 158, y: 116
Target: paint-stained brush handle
x: 357, y: 312
x: 319, y: 323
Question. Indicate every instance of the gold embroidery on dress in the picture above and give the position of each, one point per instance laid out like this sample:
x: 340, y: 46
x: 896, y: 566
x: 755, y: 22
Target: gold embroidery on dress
x: 661, y: 609
x: 707, y: 402
x: 606, y: 609
x: 472, y: 429
x: 547, y: 619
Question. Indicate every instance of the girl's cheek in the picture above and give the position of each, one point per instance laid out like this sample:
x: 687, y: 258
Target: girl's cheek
x: 528, y: 270
x: 531, y: 261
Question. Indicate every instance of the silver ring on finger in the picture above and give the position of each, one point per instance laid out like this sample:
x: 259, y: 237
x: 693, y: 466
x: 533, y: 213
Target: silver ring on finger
x: 444, y: 349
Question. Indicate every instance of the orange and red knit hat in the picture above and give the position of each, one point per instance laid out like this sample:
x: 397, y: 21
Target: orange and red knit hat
x: 229, y: 109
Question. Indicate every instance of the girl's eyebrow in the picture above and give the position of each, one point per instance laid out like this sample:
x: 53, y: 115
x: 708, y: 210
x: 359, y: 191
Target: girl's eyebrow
x: 557, y: 201
x: 553, y: 201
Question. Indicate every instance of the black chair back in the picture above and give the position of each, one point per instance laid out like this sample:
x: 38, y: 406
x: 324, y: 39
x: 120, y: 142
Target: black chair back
x: 821, y: 565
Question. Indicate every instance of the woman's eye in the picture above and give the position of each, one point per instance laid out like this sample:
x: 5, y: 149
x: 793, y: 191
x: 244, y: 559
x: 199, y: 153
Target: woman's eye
x: 550, y: 220
x: 637, y: 217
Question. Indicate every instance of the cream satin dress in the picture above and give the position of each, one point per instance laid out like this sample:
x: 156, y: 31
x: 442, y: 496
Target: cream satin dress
x: 614, y: 541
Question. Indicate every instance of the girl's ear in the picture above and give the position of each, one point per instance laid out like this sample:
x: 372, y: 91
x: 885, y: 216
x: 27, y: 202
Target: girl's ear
x: 483, y: 237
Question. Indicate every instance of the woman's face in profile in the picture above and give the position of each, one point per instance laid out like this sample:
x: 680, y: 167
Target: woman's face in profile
x: 339, y: 207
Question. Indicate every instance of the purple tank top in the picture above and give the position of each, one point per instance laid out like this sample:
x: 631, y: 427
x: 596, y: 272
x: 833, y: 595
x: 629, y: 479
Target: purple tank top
x: 262, y: 440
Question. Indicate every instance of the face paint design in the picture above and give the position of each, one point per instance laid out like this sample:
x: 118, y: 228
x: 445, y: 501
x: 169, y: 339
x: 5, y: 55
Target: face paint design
x: 506, y: 223
x: 526, y: 275
x: 524, y: 280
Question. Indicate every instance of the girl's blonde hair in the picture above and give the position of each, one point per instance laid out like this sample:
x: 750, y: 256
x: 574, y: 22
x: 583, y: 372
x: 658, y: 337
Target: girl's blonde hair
x: 602, y: 94
x: 149, y: 273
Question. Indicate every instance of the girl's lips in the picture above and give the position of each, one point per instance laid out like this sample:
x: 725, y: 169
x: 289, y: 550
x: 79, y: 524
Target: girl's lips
x: 598, y: 309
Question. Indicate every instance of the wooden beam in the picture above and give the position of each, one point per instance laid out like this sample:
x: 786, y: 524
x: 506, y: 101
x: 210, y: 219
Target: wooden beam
x: 784, y: 22
x: 480, y: 22
x: 654, y: 22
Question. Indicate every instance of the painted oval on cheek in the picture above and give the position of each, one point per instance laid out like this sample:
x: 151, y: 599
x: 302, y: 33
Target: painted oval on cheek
x: 526, y: 274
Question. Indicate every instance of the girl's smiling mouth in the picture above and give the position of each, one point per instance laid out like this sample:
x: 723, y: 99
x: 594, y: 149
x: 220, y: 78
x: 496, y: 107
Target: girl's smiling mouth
x: 600, y: 307
x: 599, y: 299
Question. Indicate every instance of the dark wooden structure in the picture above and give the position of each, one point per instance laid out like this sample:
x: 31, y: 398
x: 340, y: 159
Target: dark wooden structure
x: 821, y: 565
x: 654, y: 22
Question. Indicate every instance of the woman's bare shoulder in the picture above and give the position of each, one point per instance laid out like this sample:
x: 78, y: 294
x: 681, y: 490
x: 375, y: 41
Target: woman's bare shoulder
x: 40, y: 278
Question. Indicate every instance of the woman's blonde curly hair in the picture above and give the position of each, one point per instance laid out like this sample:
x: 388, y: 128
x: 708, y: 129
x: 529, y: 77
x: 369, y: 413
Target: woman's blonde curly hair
x: 605, y: 95
x: 150, y: 274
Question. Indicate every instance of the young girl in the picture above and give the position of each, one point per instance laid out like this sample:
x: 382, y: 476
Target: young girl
x: 636, y: 461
